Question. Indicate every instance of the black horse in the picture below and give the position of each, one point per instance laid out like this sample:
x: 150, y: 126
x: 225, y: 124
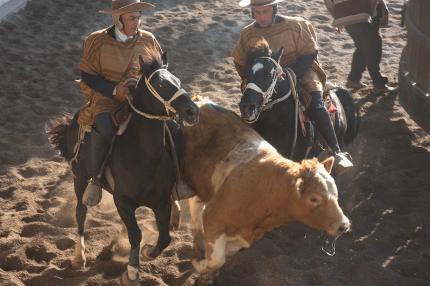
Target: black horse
x: 270, y: 103
x: 143, y: 169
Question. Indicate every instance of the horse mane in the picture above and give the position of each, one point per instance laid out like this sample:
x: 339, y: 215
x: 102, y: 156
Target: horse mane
x: 260, y: 48
x: 152, y: 55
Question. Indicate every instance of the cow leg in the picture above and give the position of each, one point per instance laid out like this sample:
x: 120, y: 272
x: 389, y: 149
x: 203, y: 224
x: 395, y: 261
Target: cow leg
x: 175, y: 217
x: 196, y: 213
x: 126, y: 210
x: 215, y: 259
x: 79, y: 260
x: 162, y: 217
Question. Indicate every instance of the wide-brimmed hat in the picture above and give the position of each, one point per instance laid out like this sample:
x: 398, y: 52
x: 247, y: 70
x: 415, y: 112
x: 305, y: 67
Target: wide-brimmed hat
x: 257, y: 3
x: 126, y: 6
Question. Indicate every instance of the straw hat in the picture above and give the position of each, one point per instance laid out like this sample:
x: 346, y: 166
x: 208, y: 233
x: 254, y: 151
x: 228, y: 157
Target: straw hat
x: 257, y: 3
x: 126, y: 6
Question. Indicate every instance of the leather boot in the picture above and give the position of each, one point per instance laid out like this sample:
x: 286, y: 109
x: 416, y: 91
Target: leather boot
x: 101, y: 139
x: 342, y: 160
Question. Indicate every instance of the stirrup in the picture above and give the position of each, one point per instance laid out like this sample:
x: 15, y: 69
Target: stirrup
x: 342, y: 162
x: 93, y: 194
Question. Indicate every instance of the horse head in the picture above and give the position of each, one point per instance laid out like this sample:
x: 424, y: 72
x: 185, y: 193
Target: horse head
x: 262, y: 74
x: 159, y: 92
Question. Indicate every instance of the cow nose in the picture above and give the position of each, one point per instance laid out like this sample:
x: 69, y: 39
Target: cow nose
x: 343, y: 227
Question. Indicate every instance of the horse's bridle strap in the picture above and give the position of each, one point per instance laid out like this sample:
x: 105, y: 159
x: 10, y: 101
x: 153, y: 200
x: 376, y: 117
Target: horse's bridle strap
x: 167, y: 104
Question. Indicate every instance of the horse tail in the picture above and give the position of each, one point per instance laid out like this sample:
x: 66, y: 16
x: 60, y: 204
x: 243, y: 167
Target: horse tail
x: 57, y: 134
x: 352, y: 114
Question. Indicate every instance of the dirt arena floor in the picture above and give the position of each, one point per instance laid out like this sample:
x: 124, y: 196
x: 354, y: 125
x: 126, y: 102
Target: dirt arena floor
x: 387, y: 195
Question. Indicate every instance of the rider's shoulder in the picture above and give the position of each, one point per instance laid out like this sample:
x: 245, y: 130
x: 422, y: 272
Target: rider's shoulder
x: 295, y: 21
x: 98, y: 34
x: 248, y: 28
x: 96, y: 38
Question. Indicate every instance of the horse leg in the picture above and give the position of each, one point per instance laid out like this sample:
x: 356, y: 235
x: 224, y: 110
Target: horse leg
x: 162, y: 217
x: 126, y: 210
x: 81, y: 213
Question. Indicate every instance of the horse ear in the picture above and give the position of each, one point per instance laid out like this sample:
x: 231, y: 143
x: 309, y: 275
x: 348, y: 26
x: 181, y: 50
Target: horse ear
x: 277, y: 56
x: 164, y: 59
x: 328, y: 163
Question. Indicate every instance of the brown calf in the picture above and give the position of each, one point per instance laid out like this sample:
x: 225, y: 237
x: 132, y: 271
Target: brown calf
x: 245, y: 189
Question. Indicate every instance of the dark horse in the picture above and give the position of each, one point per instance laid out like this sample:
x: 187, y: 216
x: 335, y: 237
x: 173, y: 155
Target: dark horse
x: 269, y: 102
x: 143, y: 169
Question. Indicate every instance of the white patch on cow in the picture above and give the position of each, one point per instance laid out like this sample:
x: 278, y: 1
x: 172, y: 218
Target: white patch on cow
x: 196, y: 207
x: 257, y: 67
x: 217, y: 258
x: 225, y: 246
x: 234, y: 244
x: 241, y: 154
x: 327, y: 179
x: 265, y: 146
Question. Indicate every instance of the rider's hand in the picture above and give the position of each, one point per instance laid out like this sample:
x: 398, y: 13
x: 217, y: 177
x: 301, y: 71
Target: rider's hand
x: 121, y: 92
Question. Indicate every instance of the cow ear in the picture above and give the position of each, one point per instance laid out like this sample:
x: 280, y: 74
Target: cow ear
x: 328, y: 163
x: 300, y: 186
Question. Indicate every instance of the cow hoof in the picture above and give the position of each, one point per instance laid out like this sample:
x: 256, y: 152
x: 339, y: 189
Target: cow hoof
x: 125, y: 281
x: 78, y: 263
x: 202, y: 282
x: 149, y: 252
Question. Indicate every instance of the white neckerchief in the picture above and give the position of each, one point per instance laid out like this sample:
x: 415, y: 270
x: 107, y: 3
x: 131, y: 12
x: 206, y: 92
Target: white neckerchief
x: 121, y: 37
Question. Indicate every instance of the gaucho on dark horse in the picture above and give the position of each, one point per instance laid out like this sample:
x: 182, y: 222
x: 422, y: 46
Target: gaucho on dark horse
x: 270, y: 100
x: 142, y: 169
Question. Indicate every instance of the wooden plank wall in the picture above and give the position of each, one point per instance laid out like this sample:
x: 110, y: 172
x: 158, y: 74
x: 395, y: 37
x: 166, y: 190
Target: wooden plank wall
x: 418, y: 55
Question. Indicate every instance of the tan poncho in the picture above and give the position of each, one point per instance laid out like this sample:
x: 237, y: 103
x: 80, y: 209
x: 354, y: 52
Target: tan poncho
x: 113, y: 60
x: 296, y: 35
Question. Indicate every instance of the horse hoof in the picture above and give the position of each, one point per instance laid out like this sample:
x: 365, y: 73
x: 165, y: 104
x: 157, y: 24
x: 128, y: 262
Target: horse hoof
x: 125, y: 281
x: 149, y: 252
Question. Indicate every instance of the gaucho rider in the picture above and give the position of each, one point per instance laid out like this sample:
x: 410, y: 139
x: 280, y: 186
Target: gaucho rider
x: 110, y: 57
x: 296, y: 35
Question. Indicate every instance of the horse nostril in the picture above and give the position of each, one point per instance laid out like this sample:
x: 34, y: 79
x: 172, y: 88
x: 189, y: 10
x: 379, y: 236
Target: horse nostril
x: 190, y: 112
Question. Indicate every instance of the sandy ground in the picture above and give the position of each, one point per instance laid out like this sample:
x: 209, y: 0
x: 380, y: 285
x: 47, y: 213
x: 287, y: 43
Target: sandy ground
x: 387, y: 195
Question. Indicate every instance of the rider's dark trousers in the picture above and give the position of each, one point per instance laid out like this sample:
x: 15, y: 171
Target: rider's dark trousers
x: 102, y: 136
x: 368, y: 52
x: 321, y: 117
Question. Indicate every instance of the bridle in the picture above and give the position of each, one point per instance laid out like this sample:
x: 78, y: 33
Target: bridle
x: 166, y: 103
x: 268, y: 101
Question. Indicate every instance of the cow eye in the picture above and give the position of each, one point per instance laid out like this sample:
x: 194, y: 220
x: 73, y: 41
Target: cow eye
x: 314, y: 201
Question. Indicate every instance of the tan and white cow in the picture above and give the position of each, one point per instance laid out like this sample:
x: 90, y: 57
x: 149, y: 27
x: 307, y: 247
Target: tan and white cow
x: 245, y: 189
